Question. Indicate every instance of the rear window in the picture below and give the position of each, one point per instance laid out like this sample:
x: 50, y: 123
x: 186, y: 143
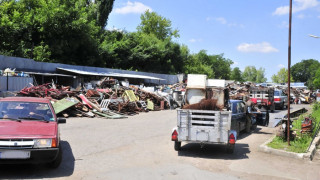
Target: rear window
x: 277, y: 93
x: 20, y: 110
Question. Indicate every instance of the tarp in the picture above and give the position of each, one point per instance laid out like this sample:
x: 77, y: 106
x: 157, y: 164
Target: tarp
x: 109, y: 74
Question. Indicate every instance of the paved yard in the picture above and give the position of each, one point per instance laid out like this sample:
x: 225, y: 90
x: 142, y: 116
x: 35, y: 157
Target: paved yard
x: 140, y: 147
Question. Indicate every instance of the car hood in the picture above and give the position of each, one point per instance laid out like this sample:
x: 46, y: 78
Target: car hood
x: 27, y: 129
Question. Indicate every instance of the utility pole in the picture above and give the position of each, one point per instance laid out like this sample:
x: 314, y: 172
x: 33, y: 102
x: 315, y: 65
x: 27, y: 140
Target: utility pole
x: 289, y: 65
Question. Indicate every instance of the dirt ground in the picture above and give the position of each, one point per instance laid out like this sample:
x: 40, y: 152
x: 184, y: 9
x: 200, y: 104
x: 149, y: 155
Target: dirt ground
x: 140, y: 147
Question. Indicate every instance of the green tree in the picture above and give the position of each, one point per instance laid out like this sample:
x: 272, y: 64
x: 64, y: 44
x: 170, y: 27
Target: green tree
x: 305, y: 71
x: 152, y: 23
x: 281, y: 76
x: 316, y: 81
x: 249, y: 74
x: 260, y: 77
x: 236, y: 74
x: 65, y: 31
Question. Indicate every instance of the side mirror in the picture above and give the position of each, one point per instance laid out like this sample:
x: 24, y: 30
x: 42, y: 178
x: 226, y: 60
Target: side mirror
x: 61, y: 120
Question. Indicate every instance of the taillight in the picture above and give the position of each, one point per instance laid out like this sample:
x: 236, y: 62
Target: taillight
x: 232, y: 139
x: 54, y: 142
x: 269, y: 103
x: 276, y: 99
x: 174, y: 136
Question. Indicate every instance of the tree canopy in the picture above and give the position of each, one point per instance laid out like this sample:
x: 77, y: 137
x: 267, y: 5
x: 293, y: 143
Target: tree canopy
x: 305, y: 71
x: 251, y: 74
x: 236, y: 74
x: 281, y: 76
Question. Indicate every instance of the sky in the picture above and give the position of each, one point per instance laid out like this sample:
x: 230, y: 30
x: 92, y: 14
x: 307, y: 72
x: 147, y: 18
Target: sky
x: 249, y: 32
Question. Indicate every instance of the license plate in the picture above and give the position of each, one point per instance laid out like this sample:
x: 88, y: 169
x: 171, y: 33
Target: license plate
x: 259, y: 101
x: 14, y: 154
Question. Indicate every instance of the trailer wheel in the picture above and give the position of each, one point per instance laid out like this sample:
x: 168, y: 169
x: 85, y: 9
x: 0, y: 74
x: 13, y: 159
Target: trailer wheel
x: 230, y: 148
x: 177, y: 146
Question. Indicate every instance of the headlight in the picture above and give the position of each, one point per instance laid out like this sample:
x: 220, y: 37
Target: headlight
x: 42, y: 143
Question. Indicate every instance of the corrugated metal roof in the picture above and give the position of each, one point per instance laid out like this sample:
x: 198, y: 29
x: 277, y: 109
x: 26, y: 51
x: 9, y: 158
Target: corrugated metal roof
x: 109, y: 74
x: 48, y: 74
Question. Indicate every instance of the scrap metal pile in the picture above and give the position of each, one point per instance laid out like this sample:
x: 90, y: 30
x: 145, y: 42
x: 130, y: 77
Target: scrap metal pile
x: 110, y: 102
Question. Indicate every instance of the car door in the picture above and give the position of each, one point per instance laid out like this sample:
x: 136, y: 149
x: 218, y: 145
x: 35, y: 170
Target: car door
x: 234, y: 117
x: 242, y: 114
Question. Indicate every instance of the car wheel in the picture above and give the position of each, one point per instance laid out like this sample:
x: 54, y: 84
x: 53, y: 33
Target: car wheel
x: 177, y: 146
x: 230, y: 148
x: 282, y: 106
x: 56, y: 163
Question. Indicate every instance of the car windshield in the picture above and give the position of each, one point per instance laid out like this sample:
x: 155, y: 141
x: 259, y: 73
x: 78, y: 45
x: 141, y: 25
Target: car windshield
x: 276, y: 93
x: 25, y: 111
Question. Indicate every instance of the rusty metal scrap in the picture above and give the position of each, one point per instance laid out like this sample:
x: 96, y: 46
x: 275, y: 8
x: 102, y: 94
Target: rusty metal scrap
x: 205, y: 104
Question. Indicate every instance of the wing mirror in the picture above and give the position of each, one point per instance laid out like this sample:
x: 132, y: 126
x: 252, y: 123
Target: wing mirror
x: 61, y: 121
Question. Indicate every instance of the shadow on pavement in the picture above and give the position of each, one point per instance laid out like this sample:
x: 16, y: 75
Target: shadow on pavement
x: 30, y: 171
x: 212, y: 151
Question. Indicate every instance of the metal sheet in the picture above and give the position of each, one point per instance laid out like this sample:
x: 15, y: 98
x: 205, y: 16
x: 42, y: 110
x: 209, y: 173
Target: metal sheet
x: 109, y: 74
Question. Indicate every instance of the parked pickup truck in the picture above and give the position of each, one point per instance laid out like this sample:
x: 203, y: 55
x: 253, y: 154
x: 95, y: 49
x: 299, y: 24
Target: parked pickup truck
x: 29, y: 132
x: 211, y: 127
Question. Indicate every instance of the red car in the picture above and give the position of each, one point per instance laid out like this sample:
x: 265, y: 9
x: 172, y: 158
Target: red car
x: 29, y: 132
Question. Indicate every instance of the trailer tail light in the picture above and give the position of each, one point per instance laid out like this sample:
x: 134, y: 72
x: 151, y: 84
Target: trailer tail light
x: 232, y: 139
x: 277, y: 99
x: 174, y: 136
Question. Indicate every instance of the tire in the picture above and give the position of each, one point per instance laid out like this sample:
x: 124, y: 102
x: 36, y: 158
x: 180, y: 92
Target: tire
x: 282, y: 106
x: 177, y: 146
x: 56, y: 163
x: 230, y: 148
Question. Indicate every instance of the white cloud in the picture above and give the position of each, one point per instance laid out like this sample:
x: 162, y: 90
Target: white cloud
x: 301, y: 16
x: 299, y: 5
x: 223, y: 21
x: 280, y: 66
x: 284, y: 24
x: 132, y: 7
x: 195, y: 40
x: 263, y: 47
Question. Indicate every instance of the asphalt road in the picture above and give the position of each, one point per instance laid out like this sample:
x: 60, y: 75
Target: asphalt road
x: 140, y: 147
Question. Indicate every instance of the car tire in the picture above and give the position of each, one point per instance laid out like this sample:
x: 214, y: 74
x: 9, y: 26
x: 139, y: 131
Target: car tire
x: 177, y: 146
x: 230, y: 148
x: 56, y: 163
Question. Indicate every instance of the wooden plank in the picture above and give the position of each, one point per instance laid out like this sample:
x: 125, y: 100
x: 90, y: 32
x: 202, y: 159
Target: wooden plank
x: 64, y: 104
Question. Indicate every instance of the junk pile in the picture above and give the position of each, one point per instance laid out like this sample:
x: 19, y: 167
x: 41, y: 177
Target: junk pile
x: 201, y: 95
x: 238, y: 91
x: 107, y: 100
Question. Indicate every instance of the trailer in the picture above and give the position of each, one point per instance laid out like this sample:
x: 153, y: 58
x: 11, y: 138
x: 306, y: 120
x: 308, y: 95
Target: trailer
x: 204, y: 127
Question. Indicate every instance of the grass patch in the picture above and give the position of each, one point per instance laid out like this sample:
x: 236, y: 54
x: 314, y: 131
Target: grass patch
x: 302, y: 141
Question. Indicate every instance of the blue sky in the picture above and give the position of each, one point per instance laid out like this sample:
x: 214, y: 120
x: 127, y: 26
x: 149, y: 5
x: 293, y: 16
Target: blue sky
x: 249, y: 32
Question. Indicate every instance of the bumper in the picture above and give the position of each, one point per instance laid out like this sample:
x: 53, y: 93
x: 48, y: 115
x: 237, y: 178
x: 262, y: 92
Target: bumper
x: 37, y: 156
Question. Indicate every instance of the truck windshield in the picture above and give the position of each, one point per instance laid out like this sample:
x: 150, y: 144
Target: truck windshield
x: 25, y: 111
